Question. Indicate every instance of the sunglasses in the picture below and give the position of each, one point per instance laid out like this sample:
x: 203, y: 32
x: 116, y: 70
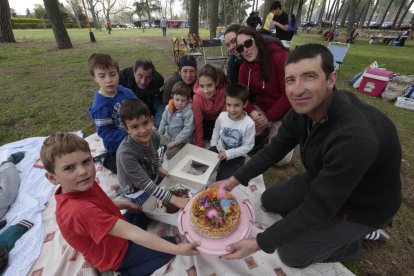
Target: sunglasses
x: 246, y: 44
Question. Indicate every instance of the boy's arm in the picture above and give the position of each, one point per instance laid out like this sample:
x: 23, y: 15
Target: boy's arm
x: 247, y: 144
x: 105, y: 127
x: 188, y: 129
x: 128, y: 231
x: 128, y: 205
x: 163, y: 124
x: 216, y: 133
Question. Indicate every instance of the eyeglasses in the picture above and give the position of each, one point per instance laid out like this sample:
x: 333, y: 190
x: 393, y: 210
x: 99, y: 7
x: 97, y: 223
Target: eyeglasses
x: 232, y: 41
x: 246, y: 44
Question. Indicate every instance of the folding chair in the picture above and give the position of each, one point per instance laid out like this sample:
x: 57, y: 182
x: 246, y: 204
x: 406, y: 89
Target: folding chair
x: 179, y: 48
x: 213, y: 52
x: 192, y: 50
x: 338, y: 51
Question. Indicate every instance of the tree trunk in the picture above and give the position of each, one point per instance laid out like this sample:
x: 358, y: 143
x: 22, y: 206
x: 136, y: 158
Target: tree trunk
x: 394, y: 22
x: 254, y: 2
x: 59, y: 29
x: 345, y: 14
x: 373, y: 12
x: 93, y: 13
x: 194, y: 4
x: 339, y: 10
x: 299, y: 12
x: 363, y: 14
x: 331, y: 5
x: 351, y: 16
x: 322, y: 10
x: 405, y: 13
x: 213, y: 15
x: 310, y: 13
x: 6, y: 30
x: 386, y: 11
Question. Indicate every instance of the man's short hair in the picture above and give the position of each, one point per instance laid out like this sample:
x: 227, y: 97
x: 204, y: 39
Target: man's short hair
x: 182, y: 89
x: 58, y: 145
x: 103, y: 61
x: 146, y: 64
x: 275, y: 5
x: 312, y: 50
x: 238, y: 91
x: 133, y: 109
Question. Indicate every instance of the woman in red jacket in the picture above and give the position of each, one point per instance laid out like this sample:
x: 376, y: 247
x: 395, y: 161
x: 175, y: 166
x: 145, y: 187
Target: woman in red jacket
x: 263, y: 73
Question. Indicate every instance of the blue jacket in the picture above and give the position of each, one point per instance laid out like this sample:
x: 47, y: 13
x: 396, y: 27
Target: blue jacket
x: 105, y: 113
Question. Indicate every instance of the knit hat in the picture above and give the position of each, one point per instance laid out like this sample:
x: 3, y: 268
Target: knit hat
x: 187, y: 61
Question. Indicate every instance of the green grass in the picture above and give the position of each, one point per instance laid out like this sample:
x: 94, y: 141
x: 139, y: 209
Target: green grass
x: 45, y: 90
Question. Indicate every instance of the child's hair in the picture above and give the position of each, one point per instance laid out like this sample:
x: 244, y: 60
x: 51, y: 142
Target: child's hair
x: 182, y: 89
x: 59, y: 144
x: 216, y: 74
x: 103, y: 61
x: 238, y: 91
x: 133, y: 109
x: 146, y: 64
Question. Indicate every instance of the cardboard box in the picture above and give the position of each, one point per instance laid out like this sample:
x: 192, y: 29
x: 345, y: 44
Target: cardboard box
x: 152, y: 207
x: 193, y: 166
x: 404, y: 102
x: 374, y: 81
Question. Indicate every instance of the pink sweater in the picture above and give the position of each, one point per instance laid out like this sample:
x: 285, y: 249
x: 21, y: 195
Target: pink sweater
x: 205, y: 109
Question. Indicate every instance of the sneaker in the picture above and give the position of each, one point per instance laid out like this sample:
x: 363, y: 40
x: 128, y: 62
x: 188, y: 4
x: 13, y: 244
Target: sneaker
x: 377, y: 235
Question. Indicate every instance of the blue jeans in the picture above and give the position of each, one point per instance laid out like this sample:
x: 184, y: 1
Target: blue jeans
x: 228, y: 167
x: 140, y: 260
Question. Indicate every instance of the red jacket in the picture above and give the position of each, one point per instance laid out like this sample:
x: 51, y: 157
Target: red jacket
x: 205, y: 109
x: 270, y: 96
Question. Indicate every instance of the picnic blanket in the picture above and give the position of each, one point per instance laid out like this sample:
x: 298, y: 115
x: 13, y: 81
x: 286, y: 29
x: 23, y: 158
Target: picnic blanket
x: 43, y: 251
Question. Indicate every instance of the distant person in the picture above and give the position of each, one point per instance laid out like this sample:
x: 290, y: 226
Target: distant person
x: 163, y: 25
x: 139, y: 166
x: 233, y: 134
x: 177, y: 123
x: 350, y: 185
x: 108, y: 26
x: 280, y: 21
x: 254, y: 20
x: 268, y: 27
x: 187, y: 72
x: 92, y: 223
x: 293, y: 28
x: 106, y: 103
x: 145, y: 81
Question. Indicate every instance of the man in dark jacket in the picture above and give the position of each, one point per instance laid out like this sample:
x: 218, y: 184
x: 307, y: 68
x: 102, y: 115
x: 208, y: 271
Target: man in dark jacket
x: 352, y: 158
x: 146, y: 83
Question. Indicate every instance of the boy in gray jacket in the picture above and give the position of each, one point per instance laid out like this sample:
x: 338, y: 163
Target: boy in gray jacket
x: 177, y: 123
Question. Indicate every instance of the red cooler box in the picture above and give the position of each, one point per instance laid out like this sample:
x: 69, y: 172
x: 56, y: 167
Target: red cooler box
x: 374, y: 81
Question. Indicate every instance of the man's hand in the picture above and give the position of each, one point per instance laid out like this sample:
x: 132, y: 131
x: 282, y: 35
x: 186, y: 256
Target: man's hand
x: 188, y: 249
x: 180, y: 202
x: 227, y: 184
x: 241, y: 249
x: 171, y: 145
x: 222, y: 155
x: 162, y: 172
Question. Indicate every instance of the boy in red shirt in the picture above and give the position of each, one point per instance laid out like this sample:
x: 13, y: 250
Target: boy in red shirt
x: 92, y: 223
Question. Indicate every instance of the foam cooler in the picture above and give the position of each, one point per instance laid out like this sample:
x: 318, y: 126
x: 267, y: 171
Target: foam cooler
x: 374, y: 81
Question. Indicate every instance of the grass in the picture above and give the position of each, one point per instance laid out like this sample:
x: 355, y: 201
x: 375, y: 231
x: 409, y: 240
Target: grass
x: 45, y: 90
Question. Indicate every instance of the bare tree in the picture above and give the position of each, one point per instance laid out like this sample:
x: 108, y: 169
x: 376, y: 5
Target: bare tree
x: 386, y: 11
x: 92, y: 8
x: 351, y: 17
x: 405, y: 13
x: 322, y: 10
x: 373, y: 12
x: 59, y: 30
x: 6, y: 30
x: 394, y: 22
x: 194, y: 4
x: 76, y: 9
x: 213, y: 15
x: 364, y: 15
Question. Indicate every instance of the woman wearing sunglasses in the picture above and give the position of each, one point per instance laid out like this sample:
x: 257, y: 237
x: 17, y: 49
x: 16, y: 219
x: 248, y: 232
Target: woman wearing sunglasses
x: 263, y: 73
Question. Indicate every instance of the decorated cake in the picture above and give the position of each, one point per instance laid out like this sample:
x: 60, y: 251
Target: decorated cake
x: 215, y: 213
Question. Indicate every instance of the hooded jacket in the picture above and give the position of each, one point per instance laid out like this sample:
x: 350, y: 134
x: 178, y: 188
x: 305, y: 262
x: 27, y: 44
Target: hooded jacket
x: 205, y: 109
x: 269, y: 96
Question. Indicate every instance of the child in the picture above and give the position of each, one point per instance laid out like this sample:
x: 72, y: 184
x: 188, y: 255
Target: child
x: 138, y: 163
x: 91, y: 223
x: 208, y: 101
x: 177, y: 123
x: 106, y: 104
x: 234, y: 132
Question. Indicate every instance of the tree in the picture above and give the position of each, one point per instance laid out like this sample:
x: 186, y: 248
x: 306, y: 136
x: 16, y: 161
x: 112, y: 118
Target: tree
x: 351, y: 17
x: 405, y: 13
x: 194, y: 4
x: 59, y: 29
x: 213, y: 15
x: 6, y: 30
x: 77, y: 11
x: 373, y: 12
x: 386, y: 11
x: 394, y: 22
x: 92, y: 4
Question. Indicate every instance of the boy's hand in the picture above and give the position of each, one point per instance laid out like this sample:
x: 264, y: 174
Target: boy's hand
x: 180, y: 202
x: 188, y: 249
x: 162, y: 172
x: 171, y: 145
x: 222, y: 155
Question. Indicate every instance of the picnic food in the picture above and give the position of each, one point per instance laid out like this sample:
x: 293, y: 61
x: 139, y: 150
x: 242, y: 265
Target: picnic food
x: 177, y: 191
x: 215, y: 213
